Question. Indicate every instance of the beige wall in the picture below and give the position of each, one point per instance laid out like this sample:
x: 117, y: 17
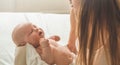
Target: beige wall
x: 7, y: 5
x: 54, y: 6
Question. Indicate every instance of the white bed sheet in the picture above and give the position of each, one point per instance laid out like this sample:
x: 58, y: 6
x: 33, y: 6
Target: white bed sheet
x: 52, y: 24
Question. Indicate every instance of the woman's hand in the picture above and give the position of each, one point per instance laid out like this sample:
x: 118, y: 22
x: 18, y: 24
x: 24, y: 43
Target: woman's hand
x: 63, y: 56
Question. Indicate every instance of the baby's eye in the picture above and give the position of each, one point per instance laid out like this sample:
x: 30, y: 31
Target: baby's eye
x: 31, y: 31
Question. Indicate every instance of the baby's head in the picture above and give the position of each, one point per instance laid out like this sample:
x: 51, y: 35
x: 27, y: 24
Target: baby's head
x: 27, y: 33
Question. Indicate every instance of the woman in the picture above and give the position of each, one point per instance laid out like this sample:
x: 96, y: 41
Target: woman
x: 98, y: 31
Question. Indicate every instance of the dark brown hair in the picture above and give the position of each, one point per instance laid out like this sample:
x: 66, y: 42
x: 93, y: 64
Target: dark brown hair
x: 99, y: 25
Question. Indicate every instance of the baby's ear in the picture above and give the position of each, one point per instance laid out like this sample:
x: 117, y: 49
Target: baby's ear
x: 55, y: 37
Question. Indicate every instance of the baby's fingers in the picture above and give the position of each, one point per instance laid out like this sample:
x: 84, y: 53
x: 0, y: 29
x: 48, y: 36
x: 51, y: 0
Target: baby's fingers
x: 55, y: 37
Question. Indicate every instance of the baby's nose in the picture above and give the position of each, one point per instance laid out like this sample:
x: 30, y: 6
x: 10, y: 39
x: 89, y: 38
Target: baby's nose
x: 40, y: 32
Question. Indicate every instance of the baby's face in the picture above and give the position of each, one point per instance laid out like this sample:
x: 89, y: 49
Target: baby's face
x: 33, y: 34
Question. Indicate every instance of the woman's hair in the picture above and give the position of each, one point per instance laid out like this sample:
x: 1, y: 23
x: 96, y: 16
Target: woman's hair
x: 98, y: 25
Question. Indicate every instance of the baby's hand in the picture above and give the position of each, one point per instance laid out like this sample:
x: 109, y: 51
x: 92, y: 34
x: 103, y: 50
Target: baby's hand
x: 55, y: 37
x: 44, y: 43
x: 47, y: 53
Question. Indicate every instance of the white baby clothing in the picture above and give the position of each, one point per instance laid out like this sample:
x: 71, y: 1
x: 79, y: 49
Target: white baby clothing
x: 32, y: 57
x: 27, y: 55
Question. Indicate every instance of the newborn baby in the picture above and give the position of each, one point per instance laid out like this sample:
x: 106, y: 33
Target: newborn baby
x: 48, y: 50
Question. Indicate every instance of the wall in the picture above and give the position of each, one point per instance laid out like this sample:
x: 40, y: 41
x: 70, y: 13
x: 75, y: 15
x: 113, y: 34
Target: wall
x: 52, y: 6
x: 7, y: 5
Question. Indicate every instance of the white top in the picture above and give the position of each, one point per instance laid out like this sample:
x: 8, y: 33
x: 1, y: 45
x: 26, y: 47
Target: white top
x: 100, y: 56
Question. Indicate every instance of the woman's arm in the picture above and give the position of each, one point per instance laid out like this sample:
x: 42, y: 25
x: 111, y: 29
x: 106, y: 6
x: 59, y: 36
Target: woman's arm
x: 72, y: 36
x: 20, y: 56
x: 75, y: 4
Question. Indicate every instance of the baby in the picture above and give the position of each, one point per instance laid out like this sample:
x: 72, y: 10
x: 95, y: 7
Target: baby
x: 48, y: 50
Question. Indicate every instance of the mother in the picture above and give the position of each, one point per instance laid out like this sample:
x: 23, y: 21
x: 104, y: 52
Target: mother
x: 98, y: 31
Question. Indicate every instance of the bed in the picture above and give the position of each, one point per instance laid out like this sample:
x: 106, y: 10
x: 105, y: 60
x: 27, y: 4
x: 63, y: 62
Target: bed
x: 52, y: 24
